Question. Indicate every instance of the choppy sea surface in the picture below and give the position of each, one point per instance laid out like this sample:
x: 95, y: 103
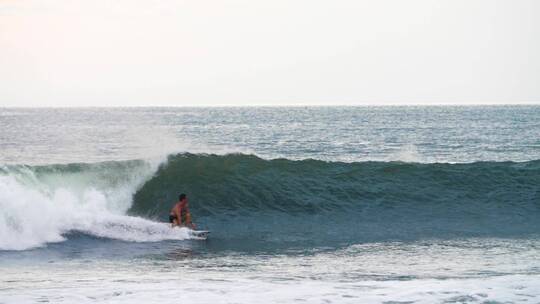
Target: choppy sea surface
x: 305, y: 204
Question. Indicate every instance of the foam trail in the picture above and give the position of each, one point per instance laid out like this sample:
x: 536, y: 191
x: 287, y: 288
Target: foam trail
x: 38, y: 205
x: 133, y: 229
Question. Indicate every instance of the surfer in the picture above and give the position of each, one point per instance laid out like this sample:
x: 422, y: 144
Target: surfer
x: 180, y: 215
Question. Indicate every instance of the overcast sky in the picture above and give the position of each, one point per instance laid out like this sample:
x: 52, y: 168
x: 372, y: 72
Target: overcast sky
x: 271, y: 52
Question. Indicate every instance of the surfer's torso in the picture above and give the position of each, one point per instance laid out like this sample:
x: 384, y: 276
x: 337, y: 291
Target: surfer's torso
x: 180, y: 212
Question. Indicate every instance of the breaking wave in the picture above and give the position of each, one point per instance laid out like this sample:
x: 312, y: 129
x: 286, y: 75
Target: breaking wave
x: 41, y: 204
x: 252, y: 203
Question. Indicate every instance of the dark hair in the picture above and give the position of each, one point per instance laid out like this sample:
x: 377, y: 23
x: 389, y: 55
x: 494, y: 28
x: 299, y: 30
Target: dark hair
x: 181, y: 197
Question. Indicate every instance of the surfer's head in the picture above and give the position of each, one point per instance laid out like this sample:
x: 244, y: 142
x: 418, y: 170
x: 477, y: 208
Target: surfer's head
x: 182, y: 198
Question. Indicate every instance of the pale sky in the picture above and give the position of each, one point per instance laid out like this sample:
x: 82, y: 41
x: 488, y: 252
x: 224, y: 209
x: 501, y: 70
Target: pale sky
x: 272, y: 52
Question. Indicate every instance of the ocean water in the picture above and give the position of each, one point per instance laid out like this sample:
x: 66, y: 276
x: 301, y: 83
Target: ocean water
x: 304, y: 204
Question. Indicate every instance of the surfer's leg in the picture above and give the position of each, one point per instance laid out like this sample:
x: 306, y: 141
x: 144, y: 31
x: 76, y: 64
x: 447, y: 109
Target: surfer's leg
x: 173, y: 220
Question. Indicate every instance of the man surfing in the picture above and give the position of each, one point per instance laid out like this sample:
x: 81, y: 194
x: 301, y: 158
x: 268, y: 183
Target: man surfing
x: 180, y: 216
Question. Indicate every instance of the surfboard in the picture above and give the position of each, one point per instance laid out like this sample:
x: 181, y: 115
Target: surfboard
x: 195, y: 234
x: 203, y: 234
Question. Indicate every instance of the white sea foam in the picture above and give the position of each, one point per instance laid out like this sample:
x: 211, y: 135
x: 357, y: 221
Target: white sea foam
x: 407, y: 153
x: 39, y: 208
x: 178, y: 282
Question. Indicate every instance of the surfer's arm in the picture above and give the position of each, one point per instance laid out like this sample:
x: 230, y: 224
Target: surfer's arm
x: 189, y: 222
x: 179, y: 216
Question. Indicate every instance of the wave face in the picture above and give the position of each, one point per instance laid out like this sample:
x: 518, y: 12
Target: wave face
x: 254, y: 203
x: 42, y: 204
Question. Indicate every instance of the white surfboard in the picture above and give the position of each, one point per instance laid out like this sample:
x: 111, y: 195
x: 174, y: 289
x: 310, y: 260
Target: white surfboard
x: 195, y: 234
x: 200, y: 234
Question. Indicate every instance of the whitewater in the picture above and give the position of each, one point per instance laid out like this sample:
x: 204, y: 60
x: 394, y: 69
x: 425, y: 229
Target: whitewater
x: 41, y: 204
x: 307, y: 204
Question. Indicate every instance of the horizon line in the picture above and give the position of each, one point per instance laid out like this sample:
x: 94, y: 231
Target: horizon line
x: 527, y: 103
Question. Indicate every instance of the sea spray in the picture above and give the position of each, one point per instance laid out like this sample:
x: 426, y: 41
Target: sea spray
x: 41, y: 204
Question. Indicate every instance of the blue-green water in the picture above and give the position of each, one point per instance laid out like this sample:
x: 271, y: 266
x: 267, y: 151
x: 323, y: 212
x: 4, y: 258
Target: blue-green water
x: 311, y: 204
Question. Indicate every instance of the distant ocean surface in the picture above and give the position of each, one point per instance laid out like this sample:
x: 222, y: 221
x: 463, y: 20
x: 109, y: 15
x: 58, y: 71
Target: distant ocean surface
x: 411, y: 204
